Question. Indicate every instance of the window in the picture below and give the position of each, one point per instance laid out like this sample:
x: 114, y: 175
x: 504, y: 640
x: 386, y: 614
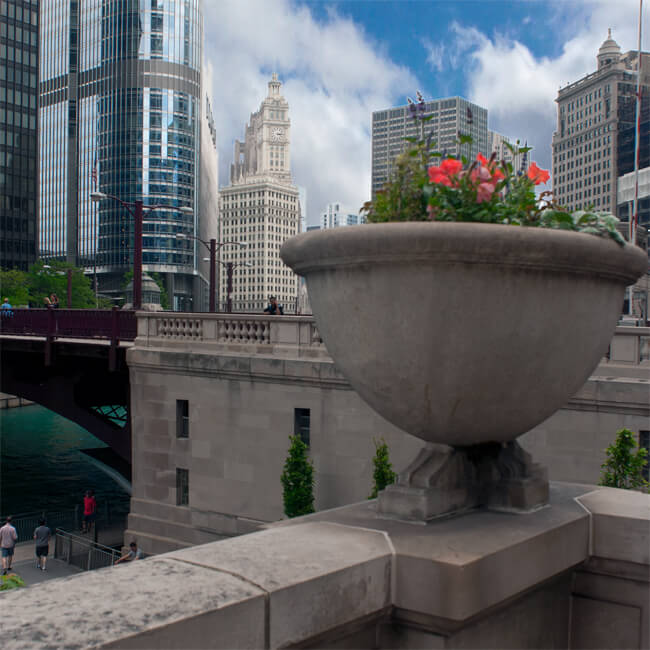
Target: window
x: 301, y: 418
x: 182, y: 418
x: 182, y: 487
x: 644, y: 441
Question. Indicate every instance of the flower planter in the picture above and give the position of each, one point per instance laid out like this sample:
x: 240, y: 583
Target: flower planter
x: 466, y: 335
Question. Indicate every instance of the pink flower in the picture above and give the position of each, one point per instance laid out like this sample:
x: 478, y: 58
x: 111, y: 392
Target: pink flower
x: 484, y: 192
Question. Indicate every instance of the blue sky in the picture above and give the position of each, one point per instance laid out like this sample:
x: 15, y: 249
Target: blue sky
x: 339, y: 61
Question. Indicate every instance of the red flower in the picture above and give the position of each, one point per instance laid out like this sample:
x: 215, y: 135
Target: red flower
x: 451, y: 166
x: 537, y: 175
x: 436, y: 175
x: 482, y: 159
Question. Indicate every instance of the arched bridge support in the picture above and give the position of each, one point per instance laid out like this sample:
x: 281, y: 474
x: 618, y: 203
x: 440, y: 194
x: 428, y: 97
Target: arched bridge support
x: 81, y: 382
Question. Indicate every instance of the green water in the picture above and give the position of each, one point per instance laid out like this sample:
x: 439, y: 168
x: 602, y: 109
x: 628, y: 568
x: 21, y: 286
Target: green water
x: 42, y: 467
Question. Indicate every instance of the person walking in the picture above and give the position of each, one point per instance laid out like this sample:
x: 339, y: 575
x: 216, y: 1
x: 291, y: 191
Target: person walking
x: 8, y: 537
x: 90, y: 511
x: 42, y: 536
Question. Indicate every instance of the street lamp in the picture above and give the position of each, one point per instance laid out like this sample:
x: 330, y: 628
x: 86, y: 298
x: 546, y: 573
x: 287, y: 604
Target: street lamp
x: 213, y: 246
x: 229, y: 269
x: 136, y: 209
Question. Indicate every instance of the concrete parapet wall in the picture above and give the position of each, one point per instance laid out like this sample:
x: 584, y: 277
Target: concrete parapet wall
x: 348, y: 578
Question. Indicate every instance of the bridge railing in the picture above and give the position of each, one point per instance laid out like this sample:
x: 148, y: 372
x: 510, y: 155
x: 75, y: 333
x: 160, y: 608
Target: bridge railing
x: 251, y: 333
x: 112, y: 324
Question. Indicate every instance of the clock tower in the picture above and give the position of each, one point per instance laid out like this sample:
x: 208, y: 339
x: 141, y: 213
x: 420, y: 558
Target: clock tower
x: 261, y: 209
x: 266, y: 148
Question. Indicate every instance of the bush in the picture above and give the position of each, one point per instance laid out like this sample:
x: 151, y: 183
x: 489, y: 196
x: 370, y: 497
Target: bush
x: 624, y: 466
x: 298, y: 480
x: 383, y: 474
x: 11, y: 581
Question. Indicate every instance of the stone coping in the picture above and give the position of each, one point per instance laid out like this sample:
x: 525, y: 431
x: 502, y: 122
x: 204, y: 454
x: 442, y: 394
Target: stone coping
x: 296, y: 580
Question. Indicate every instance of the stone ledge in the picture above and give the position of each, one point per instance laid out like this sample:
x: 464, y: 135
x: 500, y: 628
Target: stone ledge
x: 156, y: 602
x: 620, y: 524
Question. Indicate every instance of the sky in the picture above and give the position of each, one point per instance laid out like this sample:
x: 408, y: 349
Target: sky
x: 340, y: 61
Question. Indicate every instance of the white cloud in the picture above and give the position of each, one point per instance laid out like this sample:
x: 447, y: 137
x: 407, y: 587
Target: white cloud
x: 334, y: 76
x: 519, y: 89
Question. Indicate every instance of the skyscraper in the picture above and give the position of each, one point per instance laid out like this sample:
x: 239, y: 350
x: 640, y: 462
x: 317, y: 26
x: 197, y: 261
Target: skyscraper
x: 122, y: 112
x: 595, y: 120
x: 18, y: 133
x: 450, y: 117
x: 260, y: 208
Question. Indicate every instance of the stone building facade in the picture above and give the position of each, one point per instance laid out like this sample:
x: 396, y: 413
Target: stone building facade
x: 261, y: 209
x: 592, y: 113
x: 215, y: 399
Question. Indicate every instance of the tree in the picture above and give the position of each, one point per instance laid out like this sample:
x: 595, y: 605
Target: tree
x: 298, y: 480
x: 623, y: 467
x: 46, y: 279
x: 13, y: 285
x: 383, y: 474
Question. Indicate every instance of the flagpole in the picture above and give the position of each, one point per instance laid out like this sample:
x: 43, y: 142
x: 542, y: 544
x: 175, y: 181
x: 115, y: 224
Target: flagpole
x: 634, y: 218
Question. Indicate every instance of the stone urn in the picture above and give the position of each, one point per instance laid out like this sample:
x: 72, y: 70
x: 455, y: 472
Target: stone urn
x: 466, y: 336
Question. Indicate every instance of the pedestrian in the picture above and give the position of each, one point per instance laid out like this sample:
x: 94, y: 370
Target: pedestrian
x: 42, y: 536
x: 134, y: 553
x: 54, y: 301
x: 6, y: 308
x: 273, y: 308
x: 90, y: 511
x: 8, y: 537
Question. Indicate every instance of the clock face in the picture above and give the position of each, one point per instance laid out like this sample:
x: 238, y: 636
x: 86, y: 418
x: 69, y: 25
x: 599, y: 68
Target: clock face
x: 276, y: 134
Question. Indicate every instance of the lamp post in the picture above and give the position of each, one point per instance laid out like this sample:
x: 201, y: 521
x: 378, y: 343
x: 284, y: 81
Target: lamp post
x: 136, y: 210
x: 230, y: 266
x: 213, y: 246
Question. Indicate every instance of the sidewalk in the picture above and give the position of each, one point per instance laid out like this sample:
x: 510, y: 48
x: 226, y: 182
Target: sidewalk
x: 24, y: 562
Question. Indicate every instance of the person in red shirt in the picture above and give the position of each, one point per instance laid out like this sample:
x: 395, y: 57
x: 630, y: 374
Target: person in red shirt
x: 90, y: 511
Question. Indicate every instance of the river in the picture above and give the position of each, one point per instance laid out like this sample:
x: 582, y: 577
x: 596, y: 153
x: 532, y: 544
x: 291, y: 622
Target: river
x: 42, y: 467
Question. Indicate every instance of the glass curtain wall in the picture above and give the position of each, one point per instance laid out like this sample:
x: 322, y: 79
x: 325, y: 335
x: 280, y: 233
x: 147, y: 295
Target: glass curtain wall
x: 130, y: 115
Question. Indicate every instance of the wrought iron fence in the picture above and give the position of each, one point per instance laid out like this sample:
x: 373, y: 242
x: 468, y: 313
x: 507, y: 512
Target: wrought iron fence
x: 82, y: 552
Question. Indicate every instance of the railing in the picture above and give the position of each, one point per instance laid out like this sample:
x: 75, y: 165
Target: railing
x: 26, y: 523
x: 69, y: 519
x: 254, y: 333
x: 82, y: 552
x: 112, y: 324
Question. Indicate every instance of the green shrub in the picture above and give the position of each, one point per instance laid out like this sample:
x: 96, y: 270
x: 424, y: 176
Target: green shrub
x: 11, y: 581
x: 624, y: 466
x: 298, y: 480
x: 383, y: 473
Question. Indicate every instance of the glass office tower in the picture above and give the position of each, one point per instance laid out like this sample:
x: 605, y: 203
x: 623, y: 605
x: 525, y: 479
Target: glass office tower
x: 121, y: 113
x: 18, y: 134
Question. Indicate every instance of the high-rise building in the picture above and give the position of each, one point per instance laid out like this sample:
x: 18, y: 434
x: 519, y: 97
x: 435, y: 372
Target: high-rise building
x: 260, y: 208
x: 595, y: 117
x: 123, y: 112
x: 336, y: 215
x: 450, y: 117
x: 499, y: 146
x: 18, y: 133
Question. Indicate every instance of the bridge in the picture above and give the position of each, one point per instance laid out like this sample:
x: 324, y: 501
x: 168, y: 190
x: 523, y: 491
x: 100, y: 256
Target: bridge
x: 72, y: 361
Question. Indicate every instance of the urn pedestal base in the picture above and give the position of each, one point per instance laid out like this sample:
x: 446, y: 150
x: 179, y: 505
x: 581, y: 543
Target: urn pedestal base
x: 445, y: 480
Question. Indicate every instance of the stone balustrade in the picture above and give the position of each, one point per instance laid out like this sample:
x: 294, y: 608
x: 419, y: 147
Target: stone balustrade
x: 246, y: 333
